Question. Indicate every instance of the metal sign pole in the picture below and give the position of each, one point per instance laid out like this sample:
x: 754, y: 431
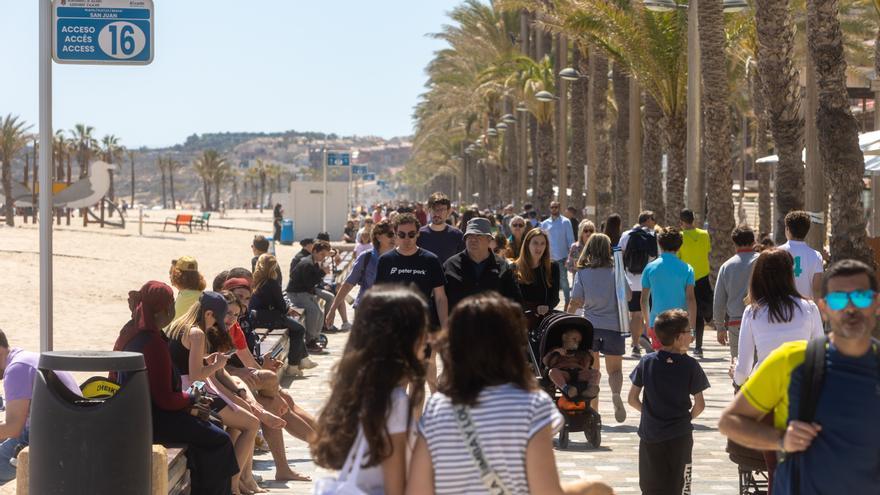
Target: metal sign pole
x: 324, y: 195
x: 45, y: 205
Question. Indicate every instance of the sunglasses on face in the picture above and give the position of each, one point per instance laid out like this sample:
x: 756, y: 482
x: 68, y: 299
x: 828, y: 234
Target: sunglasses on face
x: 861, y: 299
x: 517, y: 225
x: 404, y: 235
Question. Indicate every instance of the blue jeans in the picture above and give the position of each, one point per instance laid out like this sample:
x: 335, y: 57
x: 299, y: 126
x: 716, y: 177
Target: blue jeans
x: 7, y: 450
x: 563, y: 281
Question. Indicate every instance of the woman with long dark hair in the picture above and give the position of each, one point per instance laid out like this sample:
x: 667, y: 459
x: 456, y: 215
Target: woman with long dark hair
x: 776, y: 312
x: 487, y: 388
x: 612, y: 228
x: 538, y: 278
x: 369, y: 412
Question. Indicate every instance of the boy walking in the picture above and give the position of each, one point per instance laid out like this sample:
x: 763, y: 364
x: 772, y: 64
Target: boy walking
x: 669, y: 378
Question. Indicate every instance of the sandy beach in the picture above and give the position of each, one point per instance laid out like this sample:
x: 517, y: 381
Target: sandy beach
x: 94, y: 269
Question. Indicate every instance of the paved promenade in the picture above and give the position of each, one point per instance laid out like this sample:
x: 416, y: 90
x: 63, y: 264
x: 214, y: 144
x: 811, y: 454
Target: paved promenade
x: 615, y: 462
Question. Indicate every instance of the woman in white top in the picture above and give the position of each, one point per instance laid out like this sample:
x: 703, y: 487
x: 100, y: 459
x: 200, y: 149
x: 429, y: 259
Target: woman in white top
x: 487, y: 384
x: 368, y: 402
x: 777, y: 313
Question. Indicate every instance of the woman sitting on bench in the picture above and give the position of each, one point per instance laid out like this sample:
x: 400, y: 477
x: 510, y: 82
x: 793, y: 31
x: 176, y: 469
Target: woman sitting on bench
x: 270, y: 309
x: 178, y: 416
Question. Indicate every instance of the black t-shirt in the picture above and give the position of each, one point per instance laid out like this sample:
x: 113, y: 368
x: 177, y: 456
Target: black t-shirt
x: 422, y: 269
x: 668, y: 381
x: 444, y: 243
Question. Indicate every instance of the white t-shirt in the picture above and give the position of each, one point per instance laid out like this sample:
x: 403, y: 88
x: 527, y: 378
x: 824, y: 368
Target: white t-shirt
x: 807, y: 263
x: 370, y: 479
x: 506, y: 418
x: 757, y: 333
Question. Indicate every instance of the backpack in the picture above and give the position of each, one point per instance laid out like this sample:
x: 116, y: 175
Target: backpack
x: 640, y: 248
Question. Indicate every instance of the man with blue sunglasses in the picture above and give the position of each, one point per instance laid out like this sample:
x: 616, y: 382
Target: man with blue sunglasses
x: 839, y: 450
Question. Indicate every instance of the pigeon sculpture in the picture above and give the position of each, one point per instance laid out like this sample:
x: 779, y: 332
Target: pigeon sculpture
x: 81, y: 194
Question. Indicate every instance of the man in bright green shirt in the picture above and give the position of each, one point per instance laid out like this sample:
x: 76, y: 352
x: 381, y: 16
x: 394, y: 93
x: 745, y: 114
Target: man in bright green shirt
x: 694, y: 251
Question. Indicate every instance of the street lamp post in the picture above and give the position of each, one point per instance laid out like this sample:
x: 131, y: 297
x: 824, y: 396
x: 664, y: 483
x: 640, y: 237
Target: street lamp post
x: 562, y: 134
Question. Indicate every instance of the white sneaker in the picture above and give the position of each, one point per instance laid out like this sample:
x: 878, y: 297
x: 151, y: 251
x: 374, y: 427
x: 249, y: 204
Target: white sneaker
x: 293, y: 371
x: 346, y: 327
x: 307, y: 364
x: 619, y: 410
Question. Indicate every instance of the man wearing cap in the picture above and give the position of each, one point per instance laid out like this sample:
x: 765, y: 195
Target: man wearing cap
x: 260, y: 246
x: 477, y: 269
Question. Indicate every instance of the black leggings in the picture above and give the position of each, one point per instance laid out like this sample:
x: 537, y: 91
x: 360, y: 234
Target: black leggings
x: 704, y: 295
x: 295, y: 332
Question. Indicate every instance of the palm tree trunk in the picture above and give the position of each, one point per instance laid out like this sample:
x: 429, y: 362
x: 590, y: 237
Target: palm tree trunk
x: 171, y: 187
x: 718, y: 145
x: 536, y: 159
x: 599, y: 82
x: 544, y: 193
x: 675, y: 134
x: 838, y: 134
x: 131, y: 159
x: 620, y: 82
x: 7, y: 190
x: 216, y: 196
x: 579, y: 90
x: 206, y: 187
x: 765, y: 220
x: 783, y: 100
x: 164, y: 196
x: 652, y: 158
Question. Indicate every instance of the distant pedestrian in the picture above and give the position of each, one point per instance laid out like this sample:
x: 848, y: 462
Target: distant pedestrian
x: 571, y: 213
x: 669, y: 378
x: 612, y: 228
x: 518, y: 228
x: 277, y: 219
x: 561, y: 237
x: 585, y: 230
x: 639, y: 247
x: 438, y: 237
x: 695, y: 249
x: 731, y: 289
x: 808, y: 263
x: 673, y: 280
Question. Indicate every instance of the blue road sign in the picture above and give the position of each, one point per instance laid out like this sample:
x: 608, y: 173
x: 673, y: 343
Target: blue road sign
x: 338, y: 158
x: 117, y: 32
x: 359, y: 169
x: 369, y: 177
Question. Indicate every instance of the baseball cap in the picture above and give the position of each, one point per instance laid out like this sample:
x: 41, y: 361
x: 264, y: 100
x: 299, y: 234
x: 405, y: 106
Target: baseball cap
x: 186, y: 264
x: 214, y: 301
x: 478, y: 226
x: 236, y: 283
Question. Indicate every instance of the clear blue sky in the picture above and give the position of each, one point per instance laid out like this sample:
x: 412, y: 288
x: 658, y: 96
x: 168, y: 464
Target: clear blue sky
x: 344, y: 66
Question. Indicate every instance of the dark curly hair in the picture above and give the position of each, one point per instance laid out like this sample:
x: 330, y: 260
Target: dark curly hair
x: 379, y: 356
x: 188, y: 280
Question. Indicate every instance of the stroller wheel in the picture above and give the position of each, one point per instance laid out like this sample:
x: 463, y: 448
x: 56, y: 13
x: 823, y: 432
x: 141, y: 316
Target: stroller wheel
x: 322, y: 340
x: 563, y: 437
x: 593, y: 431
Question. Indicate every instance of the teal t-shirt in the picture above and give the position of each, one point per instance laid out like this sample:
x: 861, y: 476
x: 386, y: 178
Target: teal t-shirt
x: 668, y: 278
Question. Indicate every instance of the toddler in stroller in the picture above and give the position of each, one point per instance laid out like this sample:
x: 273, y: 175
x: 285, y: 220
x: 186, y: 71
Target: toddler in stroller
x: 563, y: 342
x: 570, y: 367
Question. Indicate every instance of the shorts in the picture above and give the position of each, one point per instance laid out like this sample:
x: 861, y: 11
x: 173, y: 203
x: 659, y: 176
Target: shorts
x: 635, y: 302
x: 609, y: 342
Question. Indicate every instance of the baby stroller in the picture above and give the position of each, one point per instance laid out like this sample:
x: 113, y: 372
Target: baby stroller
x: 752, y: 469
x: 547, y: 335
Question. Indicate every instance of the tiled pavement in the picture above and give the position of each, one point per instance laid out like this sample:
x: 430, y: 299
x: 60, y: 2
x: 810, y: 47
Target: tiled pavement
x: 615, y: 462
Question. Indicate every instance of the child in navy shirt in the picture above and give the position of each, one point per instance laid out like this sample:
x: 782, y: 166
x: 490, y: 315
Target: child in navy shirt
x: 669, y: 378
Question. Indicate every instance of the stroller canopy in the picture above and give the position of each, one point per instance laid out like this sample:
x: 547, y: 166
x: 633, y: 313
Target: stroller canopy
x: 553, y: 326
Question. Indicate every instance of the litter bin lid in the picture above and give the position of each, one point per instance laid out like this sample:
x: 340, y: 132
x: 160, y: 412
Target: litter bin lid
x: 92, y: 361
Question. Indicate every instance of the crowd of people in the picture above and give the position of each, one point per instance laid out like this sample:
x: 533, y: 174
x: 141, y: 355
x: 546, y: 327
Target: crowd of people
x: 469, y: 286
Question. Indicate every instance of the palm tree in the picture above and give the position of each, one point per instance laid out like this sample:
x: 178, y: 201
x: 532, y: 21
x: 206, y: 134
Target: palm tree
x: 162, y: 164
x: 131, y: 154
x: 579, y: 89
x: 111, y: 151
x: 173, y: 166
x: 207, y: 167
x: 599, y: 107
x: 12, y: 140
x: 537, y: 77
x: 716, y: 118
x: 222, y: 173
x: 765, y: 222
x: 652, y: 48
x: 652, y: 158
x: 838, y: 134
x: 86, y: 146
x: 782, y: 97
x: 261, y: 170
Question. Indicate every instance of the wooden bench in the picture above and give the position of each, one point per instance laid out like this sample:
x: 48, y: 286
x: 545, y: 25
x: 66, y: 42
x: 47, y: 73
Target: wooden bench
x: 178, y: 222
x: 203, y: 221
x: 169, y: 473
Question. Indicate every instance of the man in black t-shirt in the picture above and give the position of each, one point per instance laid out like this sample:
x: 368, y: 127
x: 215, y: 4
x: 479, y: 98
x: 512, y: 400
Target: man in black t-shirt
x: 438, y: 237
x: 408, y: 263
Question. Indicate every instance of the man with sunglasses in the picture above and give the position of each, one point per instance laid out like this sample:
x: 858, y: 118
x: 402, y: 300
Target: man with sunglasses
x: 410, y: 264
x: 438, y: 237
x: 837, y: 450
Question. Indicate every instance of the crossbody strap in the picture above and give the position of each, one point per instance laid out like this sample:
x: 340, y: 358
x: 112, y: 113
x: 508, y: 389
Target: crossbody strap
x: 355, y: 458
x: 489, y: 477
